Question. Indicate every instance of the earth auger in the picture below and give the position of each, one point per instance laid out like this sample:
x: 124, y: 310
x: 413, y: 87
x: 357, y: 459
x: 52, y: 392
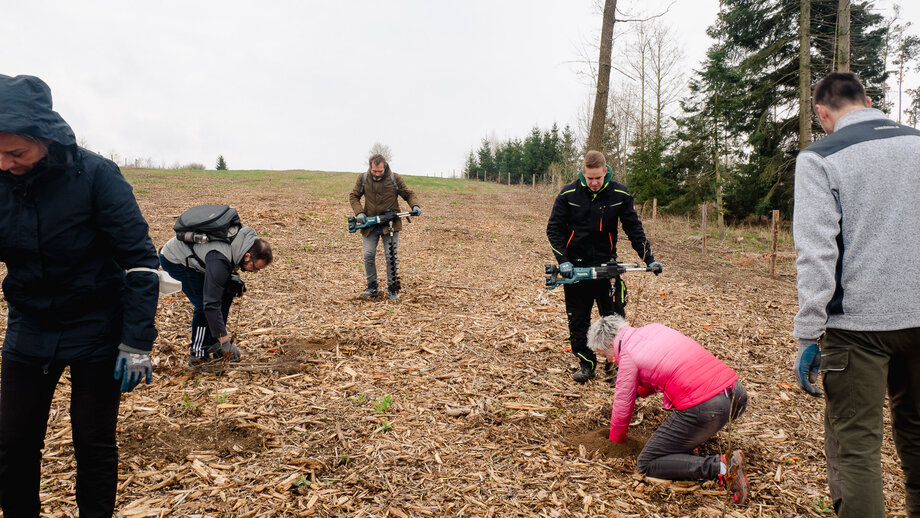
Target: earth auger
x: 387, y: 218
x: 582, y: 273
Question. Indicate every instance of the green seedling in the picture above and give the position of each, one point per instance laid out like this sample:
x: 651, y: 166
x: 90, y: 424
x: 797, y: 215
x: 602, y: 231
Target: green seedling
x: 822, y: 506
x: 383, y: 404
x: 187, y: 403
x: 220, y: 399
x: 386, y: 426
x: 301, y: 482
x: 359, y: 400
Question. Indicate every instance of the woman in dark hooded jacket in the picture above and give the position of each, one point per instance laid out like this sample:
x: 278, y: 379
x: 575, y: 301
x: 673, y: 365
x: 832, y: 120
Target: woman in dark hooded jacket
x: 81, y: 291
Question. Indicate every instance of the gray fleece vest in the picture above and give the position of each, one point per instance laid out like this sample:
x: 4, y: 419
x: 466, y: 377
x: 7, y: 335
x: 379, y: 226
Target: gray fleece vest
x: 192, y: 255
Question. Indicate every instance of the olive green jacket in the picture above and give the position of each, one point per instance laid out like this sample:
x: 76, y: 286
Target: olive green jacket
x: 380, y: 196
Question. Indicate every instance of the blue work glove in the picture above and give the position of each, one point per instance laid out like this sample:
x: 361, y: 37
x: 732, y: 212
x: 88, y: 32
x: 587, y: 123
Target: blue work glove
x: 416, y: 211
x: 131, y: 366
x: 567, y: 270
x: 807, y: 364
x: 361, y: 218
x: 656, y: 267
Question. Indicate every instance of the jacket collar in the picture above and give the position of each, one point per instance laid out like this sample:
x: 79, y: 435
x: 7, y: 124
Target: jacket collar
x: 607, y: 179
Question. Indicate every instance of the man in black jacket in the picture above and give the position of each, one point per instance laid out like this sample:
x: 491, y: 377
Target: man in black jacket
x: 582, y: 231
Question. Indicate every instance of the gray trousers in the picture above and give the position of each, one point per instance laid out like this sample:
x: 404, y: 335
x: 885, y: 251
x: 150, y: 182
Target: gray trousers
x: 667, y: 453
x: 369, y: 250
x: 858, y: 367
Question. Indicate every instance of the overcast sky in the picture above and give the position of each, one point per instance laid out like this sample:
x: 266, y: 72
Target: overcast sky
x: 305, y: 84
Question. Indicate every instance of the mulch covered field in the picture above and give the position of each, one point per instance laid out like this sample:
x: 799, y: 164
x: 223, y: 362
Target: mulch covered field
x: 457, y: 399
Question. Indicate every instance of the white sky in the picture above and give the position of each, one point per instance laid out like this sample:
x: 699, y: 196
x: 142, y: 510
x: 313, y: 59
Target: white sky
x: 308, y: 84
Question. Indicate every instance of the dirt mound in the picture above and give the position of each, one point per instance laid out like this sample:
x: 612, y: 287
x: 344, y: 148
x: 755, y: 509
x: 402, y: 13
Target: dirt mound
x: 223, y: 439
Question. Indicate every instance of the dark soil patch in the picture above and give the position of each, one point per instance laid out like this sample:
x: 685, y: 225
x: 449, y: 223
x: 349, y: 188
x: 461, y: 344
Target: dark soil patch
x: 597, y: 441
x: 224, y: 439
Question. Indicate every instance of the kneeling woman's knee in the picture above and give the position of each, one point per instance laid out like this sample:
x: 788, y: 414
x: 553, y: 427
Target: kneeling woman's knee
x: 643, y: 463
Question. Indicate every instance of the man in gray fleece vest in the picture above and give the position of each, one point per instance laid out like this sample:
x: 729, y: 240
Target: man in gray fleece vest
x: 857, y: 233
x: 208, y: 273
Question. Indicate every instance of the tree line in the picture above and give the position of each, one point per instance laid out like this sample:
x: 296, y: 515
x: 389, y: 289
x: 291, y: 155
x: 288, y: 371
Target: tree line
x: 541, y: 156
x: 730, y: 133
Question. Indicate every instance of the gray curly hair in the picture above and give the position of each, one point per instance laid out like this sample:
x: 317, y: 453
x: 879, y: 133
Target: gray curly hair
x: 603, y: 331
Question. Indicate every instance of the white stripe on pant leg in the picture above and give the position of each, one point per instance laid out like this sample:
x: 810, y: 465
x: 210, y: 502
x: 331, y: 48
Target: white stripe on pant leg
x: 197, y: 349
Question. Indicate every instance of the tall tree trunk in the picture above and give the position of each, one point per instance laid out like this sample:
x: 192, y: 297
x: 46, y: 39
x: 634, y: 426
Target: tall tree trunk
x: 805, y: 74
x: 599, y: 116
x: 843, y: 36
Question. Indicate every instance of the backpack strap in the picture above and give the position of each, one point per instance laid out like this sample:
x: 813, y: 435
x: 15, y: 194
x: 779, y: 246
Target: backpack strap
x: 392, y: 177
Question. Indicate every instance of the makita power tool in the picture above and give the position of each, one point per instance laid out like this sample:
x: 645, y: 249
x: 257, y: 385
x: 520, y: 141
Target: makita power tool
x: 583, y: 273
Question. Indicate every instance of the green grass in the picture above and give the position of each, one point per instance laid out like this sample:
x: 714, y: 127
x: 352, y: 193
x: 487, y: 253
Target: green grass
x: 326, y: 184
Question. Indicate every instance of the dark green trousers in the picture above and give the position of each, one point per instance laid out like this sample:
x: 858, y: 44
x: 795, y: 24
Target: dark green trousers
x: 858, y: 367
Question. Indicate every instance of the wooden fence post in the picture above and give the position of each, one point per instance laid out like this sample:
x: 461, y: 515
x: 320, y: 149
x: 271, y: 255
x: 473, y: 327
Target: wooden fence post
x: 775, y: 240
x: 703, y: 212
x: 654, y: 212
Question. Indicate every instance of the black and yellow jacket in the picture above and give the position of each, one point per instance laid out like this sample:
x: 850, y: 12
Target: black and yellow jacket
x: 582, y: 228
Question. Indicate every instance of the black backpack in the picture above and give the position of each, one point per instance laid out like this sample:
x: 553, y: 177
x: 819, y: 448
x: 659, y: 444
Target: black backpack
x: 204, y: 223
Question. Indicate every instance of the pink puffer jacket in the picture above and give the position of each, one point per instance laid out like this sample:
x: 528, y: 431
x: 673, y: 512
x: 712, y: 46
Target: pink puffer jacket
x: 656, y: 358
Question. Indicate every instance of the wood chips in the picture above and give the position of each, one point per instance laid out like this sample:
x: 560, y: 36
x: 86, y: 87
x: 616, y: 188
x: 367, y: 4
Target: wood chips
x: 457, y: 399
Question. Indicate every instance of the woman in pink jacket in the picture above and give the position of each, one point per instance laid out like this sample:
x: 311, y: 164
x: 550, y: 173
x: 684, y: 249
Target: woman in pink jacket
x: 703, y: 392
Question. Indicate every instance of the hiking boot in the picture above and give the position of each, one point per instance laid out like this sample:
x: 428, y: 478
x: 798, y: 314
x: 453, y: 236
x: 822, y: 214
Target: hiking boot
x: 197, y: 361
x: 212, y: 351
x: 610, y: 372
x: 735, y: 479
x: 370, y: 293
x: 583, y: 374
x: 393, y: 295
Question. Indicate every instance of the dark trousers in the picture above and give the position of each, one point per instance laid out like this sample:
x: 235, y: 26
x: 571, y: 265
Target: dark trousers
x: 858, y: 367
x: 667, y: 452
x: 579, y: 301
x: 25, y: 402
x: 193, y: 287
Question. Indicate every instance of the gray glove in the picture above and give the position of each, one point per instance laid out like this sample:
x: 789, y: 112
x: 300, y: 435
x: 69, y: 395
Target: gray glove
x: 656, y: 267
x: 416, y: 211
x: 230, y: 351
x: 131, y: 366
x: 567, y: 270
x: 361, y: 218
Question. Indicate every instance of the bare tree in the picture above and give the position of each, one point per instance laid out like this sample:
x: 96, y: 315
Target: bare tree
x: 665, y: 75
x: 804, y: 74
x: 381, y: 149
x: 602, y: 91
x: 843, y: 36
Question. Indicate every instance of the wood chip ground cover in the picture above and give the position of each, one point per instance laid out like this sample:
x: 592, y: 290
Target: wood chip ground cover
x: 455, y: 400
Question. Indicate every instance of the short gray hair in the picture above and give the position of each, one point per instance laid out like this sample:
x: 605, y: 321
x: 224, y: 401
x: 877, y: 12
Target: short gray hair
x: 603, y: 331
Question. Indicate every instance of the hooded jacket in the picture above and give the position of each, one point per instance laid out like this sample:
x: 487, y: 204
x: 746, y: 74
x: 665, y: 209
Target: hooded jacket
x: 655, y: 358
x: 380, y: 195
x: 69, y: 229
x: 582, y: 228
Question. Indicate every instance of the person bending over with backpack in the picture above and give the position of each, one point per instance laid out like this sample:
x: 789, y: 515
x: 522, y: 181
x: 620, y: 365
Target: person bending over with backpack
x: 703, y: 392
x: 380, y: 188
x: 208, y: 273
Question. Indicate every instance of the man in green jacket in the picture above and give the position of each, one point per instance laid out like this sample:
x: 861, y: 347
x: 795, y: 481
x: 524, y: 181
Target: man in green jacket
x: 380, y: 188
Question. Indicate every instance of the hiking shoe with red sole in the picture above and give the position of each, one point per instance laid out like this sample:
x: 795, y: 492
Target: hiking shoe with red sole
x: 735, y: 479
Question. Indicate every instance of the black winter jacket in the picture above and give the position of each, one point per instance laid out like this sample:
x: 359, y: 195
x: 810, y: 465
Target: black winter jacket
x: 69, y: 229
x: 582, y: 228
